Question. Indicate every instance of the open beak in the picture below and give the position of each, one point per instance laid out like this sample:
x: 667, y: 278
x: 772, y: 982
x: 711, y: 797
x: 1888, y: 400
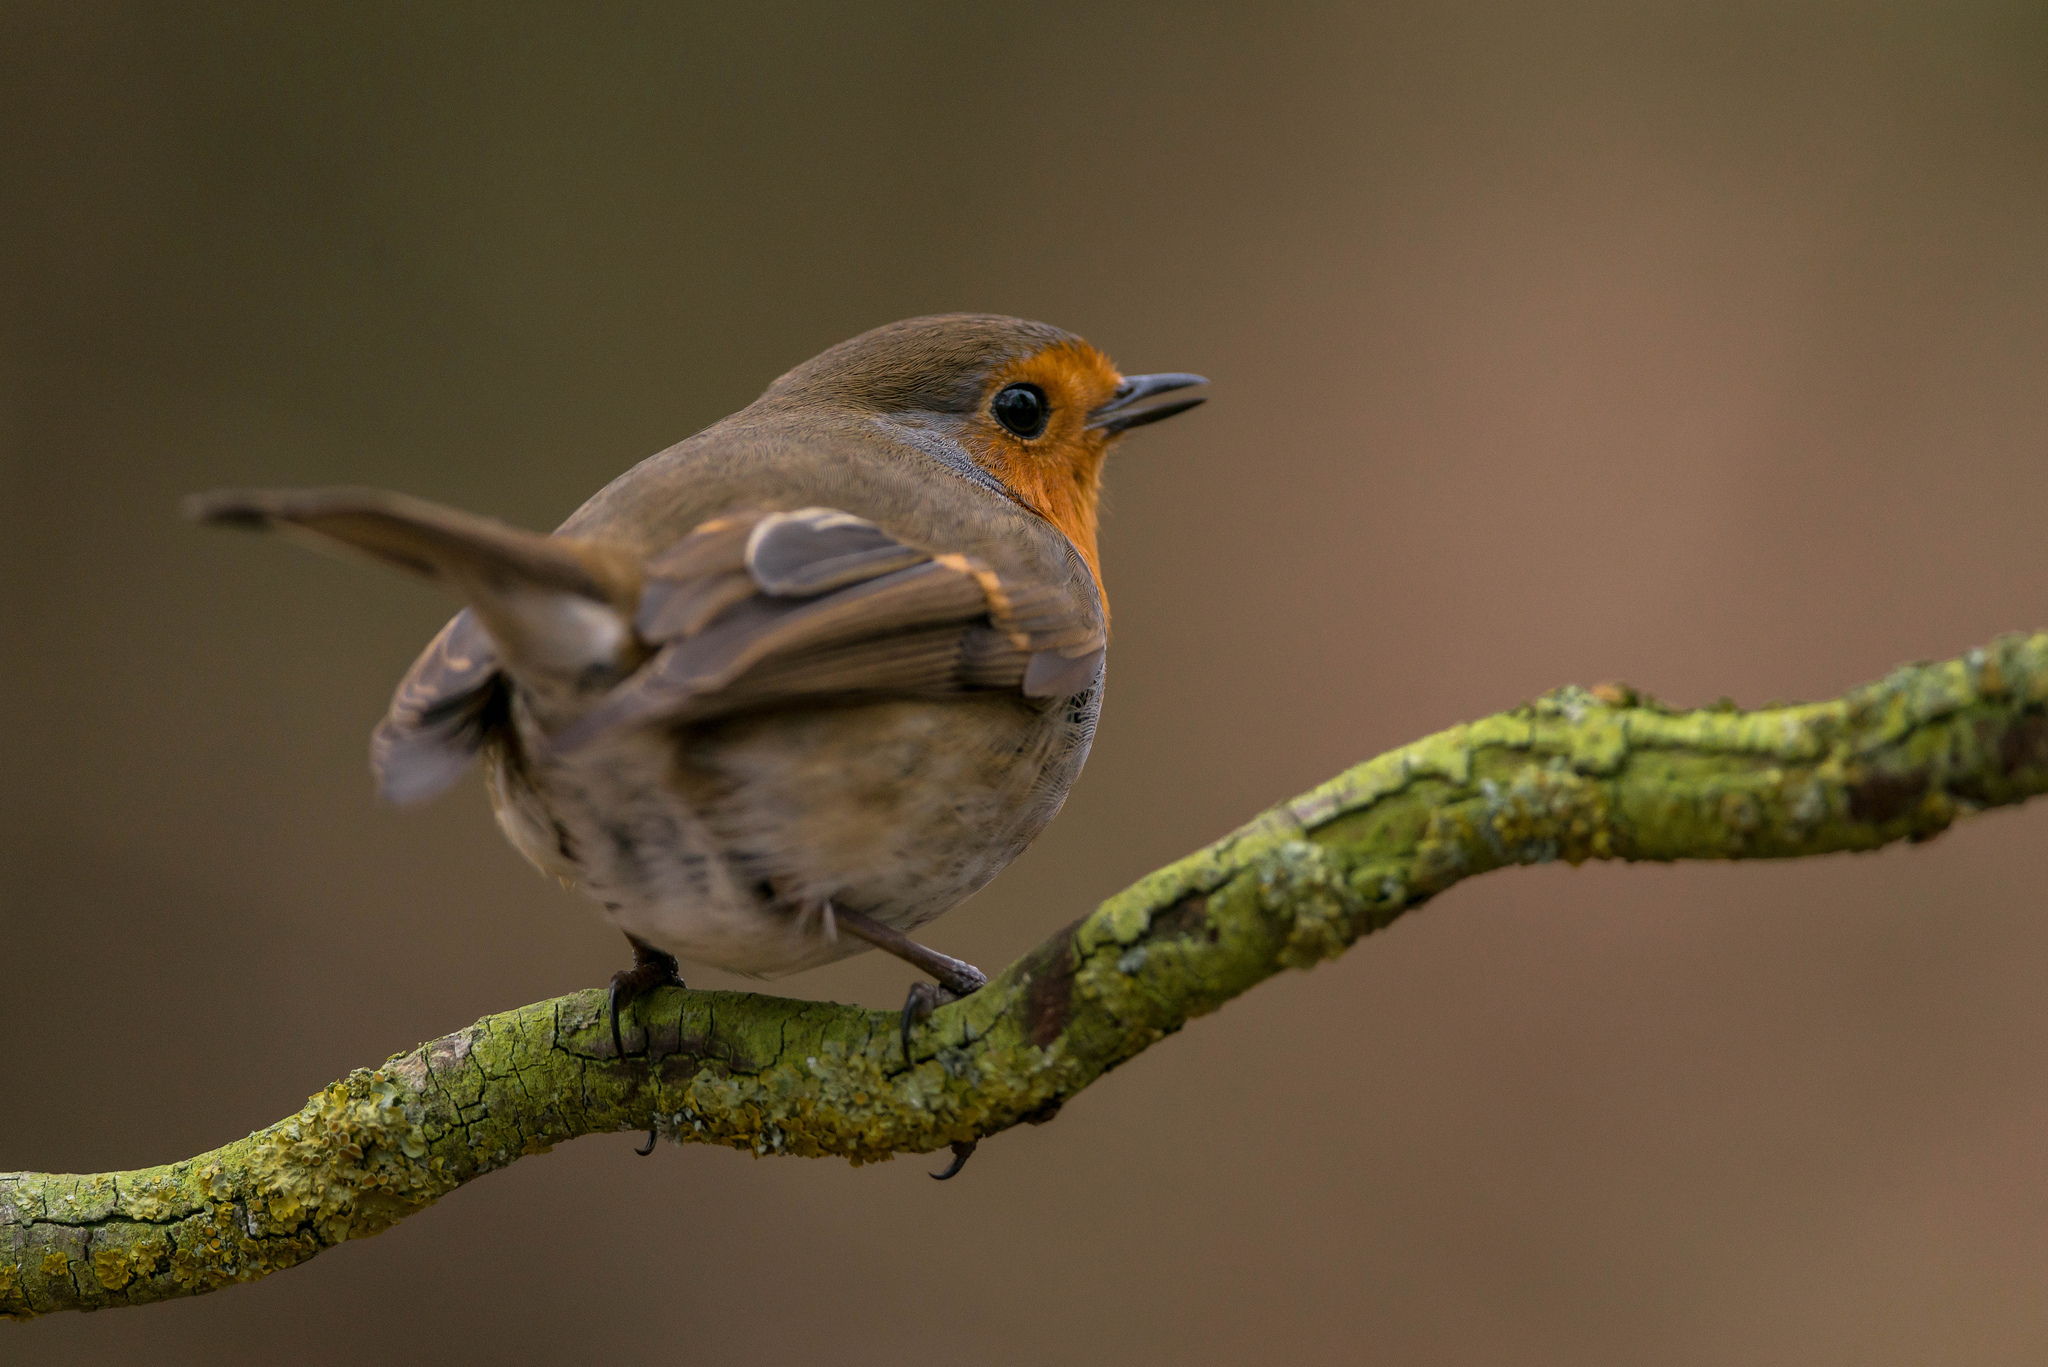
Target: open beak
x: 1146, y: 398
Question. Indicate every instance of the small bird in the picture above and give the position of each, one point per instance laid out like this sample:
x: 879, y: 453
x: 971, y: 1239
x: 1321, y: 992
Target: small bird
x: 797, y: 685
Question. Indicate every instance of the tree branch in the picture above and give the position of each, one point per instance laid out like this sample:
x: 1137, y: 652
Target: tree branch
x: 1578, y: 774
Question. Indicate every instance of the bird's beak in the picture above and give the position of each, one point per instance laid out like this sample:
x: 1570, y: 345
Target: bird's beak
x: 1143, y: 398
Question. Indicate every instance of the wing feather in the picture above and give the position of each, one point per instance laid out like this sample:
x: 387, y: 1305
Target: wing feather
x: 440, y: 715
x: 756, y: 609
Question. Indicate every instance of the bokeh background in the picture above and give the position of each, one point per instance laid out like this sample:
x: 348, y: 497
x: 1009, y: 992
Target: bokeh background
x: 1702, y: 346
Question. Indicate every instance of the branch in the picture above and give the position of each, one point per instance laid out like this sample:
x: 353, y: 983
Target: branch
x: 1578, y: 774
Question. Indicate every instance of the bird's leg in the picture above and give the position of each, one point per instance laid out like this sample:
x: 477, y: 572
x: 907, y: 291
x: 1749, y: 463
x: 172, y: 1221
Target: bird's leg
x: 956, y: 978
x: 959, y: 977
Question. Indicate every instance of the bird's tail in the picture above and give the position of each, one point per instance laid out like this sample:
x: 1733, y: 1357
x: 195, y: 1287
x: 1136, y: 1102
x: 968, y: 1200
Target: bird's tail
x: 554, y: 606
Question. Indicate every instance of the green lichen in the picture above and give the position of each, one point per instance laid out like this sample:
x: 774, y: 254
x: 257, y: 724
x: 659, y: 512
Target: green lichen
x: 1578, y: 774
x: 1304, y: 886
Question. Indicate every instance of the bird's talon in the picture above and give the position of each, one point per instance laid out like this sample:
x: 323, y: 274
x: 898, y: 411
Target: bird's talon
x: 651, y: 1133
x: 963, y: 1149
x: 924, y: 999
x: 651, y: 969
x: 612, y: 1002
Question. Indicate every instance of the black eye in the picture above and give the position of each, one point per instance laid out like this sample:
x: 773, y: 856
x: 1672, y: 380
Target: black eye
x: 1022, y: 408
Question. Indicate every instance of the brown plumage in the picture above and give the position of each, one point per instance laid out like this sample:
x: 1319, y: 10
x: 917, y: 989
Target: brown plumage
x: 796, y: 685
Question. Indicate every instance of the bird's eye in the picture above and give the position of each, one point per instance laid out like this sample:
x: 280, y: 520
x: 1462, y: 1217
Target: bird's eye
x: 1022, y: 408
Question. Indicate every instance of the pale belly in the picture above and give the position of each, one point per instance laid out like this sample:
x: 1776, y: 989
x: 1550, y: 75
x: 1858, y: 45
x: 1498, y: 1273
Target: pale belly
x: 722, y: 842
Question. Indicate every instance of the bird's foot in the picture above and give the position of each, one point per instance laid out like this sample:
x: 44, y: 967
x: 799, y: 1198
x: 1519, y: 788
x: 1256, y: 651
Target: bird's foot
x: 961, y: 980
x: 957, y: 978
x: 651, y: 968
x: 923, y: 999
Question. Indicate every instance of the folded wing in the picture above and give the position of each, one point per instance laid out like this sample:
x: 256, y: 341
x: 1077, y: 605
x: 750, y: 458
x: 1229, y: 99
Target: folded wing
x: 756, y: 610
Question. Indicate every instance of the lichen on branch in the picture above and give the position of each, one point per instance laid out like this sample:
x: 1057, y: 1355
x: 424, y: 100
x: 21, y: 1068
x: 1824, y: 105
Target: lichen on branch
x: 1578, y: 774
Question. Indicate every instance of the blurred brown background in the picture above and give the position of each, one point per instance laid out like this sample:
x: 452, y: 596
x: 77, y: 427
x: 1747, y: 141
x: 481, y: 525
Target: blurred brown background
x: 1700, y: 346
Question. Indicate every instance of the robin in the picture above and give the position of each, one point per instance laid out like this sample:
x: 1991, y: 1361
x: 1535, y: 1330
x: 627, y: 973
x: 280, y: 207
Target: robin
x: 797, y: 685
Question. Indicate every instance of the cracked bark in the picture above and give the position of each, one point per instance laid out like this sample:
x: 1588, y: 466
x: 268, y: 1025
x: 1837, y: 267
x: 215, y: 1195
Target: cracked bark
x: 1578, y: 774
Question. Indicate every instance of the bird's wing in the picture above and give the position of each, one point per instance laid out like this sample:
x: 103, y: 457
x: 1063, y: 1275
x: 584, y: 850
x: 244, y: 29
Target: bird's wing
x: 752, y: 610
x: 445, y: 708
x: 763, y: 609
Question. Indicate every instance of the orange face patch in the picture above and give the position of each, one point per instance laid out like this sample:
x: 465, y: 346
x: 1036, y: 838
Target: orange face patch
x: 1057, y: 473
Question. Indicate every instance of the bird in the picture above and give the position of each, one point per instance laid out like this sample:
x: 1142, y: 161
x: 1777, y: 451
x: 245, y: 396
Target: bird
x: 796, y: 685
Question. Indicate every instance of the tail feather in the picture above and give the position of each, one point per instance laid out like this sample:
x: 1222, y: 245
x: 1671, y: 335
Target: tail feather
x: 552, y: 605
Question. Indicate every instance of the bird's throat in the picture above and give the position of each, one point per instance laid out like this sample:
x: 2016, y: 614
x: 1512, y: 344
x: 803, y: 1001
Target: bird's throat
x: 1066, y: 493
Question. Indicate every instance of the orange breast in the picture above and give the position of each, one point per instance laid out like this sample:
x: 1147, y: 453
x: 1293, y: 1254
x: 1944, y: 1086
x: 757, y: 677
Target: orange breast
x: 1059, y: 475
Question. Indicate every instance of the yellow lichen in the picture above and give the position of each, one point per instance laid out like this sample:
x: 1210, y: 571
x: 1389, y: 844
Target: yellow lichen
x: 114, y: 1267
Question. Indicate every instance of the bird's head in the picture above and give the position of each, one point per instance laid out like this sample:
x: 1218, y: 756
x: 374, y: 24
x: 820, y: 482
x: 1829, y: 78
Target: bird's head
x: 1031, y: 405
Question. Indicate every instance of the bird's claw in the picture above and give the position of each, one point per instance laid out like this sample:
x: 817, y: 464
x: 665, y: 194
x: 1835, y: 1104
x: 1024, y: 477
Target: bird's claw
x: 924, y: 999
x: 963, y: 1149
x: 649, y: 971
x: 651, y: 968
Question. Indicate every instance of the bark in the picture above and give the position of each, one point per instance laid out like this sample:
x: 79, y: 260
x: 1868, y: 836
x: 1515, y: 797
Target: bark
x: 1578, y: 774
